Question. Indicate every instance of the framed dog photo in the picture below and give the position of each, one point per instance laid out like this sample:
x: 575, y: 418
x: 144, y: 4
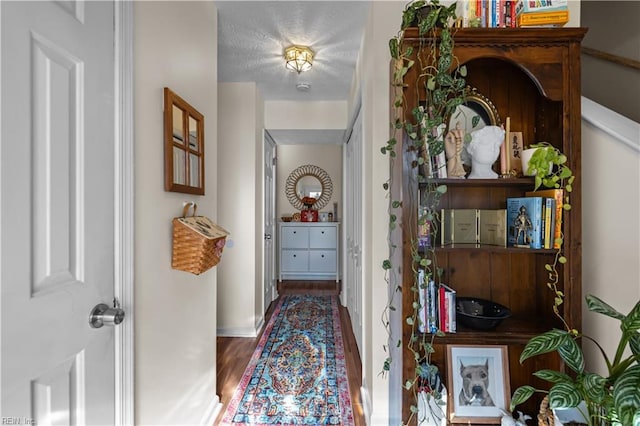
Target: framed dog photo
x: 478, y: 382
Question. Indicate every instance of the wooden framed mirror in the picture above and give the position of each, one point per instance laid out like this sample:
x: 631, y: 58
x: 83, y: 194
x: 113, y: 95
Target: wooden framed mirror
x: 183, y: 146
x: 476, y: 112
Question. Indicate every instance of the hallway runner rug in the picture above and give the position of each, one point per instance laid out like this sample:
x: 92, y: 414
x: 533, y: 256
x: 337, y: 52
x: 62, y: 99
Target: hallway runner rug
x: 297, y: 374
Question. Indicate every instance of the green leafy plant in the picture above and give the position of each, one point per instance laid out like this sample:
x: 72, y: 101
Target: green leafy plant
x: 612, y: 399
x: 442, y: 89
x: 549, y: 167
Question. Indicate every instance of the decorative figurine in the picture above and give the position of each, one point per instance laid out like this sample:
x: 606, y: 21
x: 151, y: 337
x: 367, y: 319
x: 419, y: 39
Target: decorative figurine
x: 453, y: 144
x: 484, y: 149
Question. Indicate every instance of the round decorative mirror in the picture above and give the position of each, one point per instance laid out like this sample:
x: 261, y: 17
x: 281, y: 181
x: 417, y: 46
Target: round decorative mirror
x: 309, y: 181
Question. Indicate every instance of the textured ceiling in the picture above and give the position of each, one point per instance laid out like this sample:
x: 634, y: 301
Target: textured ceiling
x: 252, y: 36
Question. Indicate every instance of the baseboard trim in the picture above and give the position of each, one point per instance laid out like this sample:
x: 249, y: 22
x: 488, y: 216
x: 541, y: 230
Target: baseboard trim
x: 239, y: 331
x: 366, y: 404
x: 212, y: 412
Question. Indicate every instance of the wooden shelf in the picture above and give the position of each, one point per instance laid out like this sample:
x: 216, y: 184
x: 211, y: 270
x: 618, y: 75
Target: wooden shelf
x: 489, y: 248
x: 514, y: 182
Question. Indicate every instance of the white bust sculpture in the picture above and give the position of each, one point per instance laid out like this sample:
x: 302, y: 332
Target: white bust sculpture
x: 484, y: 149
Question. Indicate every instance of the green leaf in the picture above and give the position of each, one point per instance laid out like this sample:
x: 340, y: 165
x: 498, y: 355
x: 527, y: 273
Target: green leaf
x: 564, y: 395
x: 552, y: 376
x: 594, y: 386
x: 544, y: 343
x: 594, y: 304
x: 409, y: 321
x: 572, y: 355
x: 521, y: 394
x: 632, y: 321
x: 386, y: 264
x: 634, y: 344
x: 626, y: 396
x: 383, y: 150
x: 393, y: 48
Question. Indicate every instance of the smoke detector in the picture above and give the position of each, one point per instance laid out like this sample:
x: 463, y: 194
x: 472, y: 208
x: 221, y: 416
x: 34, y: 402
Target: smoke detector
x: 303, y: 87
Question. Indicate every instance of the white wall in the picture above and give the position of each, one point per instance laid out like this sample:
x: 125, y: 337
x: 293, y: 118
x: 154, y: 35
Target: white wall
x: 305, y: 115
x: 175, y: 346
x: 611, y: 225
x: 290, y: 157
x: 240, y: 176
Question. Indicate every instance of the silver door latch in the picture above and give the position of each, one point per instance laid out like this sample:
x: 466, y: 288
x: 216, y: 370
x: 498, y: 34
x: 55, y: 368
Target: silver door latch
x: 102, y: 314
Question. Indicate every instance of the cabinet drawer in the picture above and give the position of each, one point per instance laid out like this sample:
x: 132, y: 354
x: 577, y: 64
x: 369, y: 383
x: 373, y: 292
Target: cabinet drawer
x: 322, y: 237
x: 295, y: 237
x: 322, y: 261
x: 294, y: 260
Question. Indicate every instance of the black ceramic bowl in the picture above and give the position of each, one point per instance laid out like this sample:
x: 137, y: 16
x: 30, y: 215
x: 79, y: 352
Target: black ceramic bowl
x: 480, y: 314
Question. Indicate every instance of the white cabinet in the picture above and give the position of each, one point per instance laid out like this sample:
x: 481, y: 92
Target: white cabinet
x: 309, y: 250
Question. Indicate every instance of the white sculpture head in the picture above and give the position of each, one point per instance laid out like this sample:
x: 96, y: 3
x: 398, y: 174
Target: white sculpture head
x: 484, y: 149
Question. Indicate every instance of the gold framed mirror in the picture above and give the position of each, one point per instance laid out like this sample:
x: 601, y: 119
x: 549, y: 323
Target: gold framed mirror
x: 184, y: 146
x: 476, y: 112
x: 308, y: 181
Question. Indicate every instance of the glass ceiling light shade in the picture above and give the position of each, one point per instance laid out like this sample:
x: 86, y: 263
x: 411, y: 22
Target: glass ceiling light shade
x: 298, y: 58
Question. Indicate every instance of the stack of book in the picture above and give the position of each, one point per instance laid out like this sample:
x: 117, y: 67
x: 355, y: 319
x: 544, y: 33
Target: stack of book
x: 514, y: 13
x: 539, y: 13
x: 473, y: 226
x: 532, y: 221
x: 437, y: 306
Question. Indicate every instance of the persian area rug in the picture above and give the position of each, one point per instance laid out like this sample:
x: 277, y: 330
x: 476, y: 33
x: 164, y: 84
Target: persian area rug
x: 297, y: 374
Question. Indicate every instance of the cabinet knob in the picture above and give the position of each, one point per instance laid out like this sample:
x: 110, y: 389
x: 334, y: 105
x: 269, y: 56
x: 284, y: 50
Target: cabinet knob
x: 294, y: 232
x: 294, y: 255
x: 322, y: 232
x: 322, y: 255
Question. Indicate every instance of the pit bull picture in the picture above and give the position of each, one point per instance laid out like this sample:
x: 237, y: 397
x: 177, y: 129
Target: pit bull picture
x: 475, y: 385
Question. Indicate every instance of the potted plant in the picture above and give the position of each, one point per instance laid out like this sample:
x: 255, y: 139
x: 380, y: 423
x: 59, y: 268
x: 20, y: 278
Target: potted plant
x: 547, y: 165
x: 611, y: 399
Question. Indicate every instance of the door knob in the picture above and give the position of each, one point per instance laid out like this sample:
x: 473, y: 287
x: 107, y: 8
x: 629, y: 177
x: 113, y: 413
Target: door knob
x: 102, y: 314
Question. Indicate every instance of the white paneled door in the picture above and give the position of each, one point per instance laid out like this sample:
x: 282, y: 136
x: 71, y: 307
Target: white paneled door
x: 57, y: 211
x: 269, y: 272
x: 353, y: 229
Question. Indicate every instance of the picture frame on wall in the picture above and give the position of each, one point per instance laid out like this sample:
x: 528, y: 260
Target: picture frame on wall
x: 478, y: 380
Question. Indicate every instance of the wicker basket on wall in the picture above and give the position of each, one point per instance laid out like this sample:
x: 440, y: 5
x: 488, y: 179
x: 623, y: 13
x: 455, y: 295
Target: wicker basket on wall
x: 197, y: 242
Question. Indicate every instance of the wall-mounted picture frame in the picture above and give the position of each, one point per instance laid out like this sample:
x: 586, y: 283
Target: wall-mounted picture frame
x: 478, y: 383
x: 183, y: 146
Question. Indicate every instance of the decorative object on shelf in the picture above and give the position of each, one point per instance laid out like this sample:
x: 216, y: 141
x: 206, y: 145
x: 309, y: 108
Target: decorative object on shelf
x: 480, y: 314
x: 309, y: 215
x: 612, y: 399
x: 183, y: 146
x: 548, y: 165
x: 308, y: 181
x: 484, y: 149
x: 295, y: 217
x: 478, y: 380
x: 197, y: 242
x: 453, y: 146
x: 286, y: 218
x: 298, y: 58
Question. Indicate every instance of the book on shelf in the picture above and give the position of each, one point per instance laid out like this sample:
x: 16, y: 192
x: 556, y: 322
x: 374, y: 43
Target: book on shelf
x: 492, y: 227
x: 531, y: 19
x: 458, y: 226
x: 535, y: 6
x: 447, y: 308
x: 424, y: 228
x: 524, y: 221
x: 558, y: 196
x: 428, y: 300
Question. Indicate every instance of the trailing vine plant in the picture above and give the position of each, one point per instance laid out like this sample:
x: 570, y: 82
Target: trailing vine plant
x: 441, y: 89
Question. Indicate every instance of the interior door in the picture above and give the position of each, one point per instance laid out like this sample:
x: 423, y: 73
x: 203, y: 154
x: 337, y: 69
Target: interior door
x: 353, y: 229
x: 57, y: 210
x: 269, y: 273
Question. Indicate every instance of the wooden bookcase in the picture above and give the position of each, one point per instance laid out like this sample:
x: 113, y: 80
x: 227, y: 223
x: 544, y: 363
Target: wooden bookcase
x: 532, y: 76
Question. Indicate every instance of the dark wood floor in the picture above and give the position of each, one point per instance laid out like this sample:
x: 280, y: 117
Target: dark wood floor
x: 234, y: 353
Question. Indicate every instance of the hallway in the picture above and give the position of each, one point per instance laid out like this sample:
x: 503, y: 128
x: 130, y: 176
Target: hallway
x: 234, y: 353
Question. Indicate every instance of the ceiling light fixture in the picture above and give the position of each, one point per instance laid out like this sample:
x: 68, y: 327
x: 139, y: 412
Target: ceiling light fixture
x: 298, y: 58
